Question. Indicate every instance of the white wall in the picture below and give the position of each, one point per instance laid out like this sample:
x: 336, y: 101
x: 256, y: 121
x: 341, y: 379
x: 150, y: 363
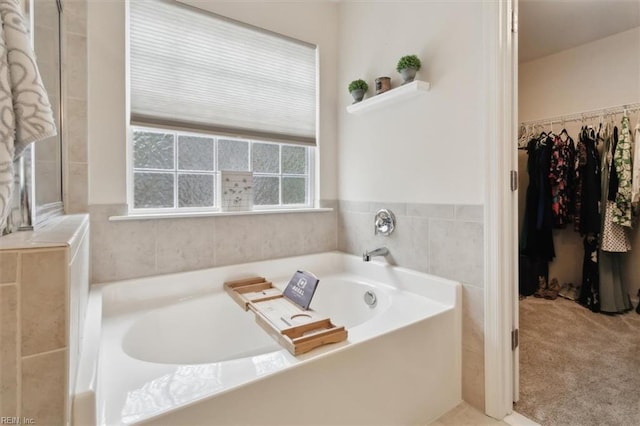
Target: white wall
x: 595, y: 75
x: 314, y: 22
x: 422, y: 158
x: 429, y: 149
x: 603, y: 73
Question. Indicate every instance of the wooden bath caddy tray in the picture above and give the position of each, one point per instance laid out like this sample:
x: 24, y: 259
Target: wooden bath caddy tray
x: 296, y: 329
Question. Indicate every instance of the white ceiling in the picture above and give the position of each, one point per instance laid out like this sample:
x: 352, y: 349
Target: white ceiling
x: 549, y: 26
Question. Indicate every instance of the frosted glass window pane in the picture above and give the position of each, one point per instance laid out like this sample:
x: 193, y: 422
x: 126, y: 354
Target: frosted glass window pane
x: 195, y: 190
x: 153, y: 150
x: 233, y: 155
x: 195, y: 153
x: 266, y: 190
x: 265, y: 158
x: 153, y: 190
x: 294, y: 159
x: 293, y: 190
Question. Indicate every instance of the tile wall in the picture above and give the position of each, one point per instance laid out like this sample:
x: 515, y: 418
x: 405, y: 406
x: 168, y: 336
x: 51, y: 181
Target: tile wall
x: 41, y: 293
x: 442, y: 239
x: 137, y: 248
x: 32, y: 334
x: 74, y: 95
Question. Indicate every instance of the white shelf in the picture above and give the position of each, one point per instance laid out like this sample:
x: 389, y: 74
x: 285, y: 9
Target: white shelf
x: 407, y: 91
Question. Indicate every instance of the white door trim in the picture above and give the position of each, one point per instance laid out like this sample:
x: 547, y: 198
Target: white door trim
x: 500, y: 250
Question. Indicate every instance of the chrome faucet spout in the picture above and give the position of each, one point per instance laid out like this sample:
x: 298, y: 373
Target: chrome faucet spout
x: 381, y: 251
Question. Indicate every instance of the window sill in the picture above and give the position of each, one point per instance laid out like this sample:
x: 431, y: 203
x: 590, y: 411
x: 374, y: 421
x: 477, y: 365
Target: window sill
x: 148, y: 216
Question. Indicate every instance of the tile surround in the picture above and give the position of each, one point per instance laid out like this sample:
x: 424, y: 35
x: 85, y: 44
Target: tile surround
x: 75, y: 99
x: 8, y: 350
x: 44, y: 273
x: 41, y: 317
x: 43, y: 387
x: 442, y: 239
x: 8, y: 267
x: 129, y: 249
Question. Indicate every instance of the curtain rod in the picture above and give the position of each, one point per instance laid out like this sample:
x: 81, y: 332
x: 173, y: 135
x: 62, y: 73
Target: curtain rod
x: 585, y: 115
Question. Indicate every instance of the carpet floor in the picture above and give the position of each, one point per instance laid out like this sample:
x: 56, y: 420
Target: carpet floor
x: 578, y: 367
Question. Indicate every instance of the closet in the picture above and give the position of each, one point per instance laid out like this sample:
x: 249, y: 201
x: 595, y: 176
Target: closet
x: 573, y: 207
x: 579, y: 251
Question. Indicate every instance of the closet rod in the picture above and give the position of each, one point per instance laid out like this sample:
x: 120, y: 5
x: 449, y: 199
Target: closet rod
x: 585, y: 115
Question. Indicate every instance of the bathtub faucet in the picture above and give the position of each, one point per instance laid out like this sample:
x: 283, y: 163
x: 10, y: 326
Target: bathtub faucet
x: 381, y: 251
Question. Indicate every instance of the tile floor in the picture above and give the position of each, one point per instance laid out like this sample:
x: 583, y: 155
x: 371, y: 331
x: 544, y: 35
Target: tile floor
x: 466, y: 415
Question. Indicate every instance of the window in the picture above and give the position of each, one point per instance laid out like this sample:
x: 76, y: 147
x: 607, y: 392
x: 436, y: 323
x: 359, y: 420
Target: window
x: 177, y: 170
x: 209, y: 94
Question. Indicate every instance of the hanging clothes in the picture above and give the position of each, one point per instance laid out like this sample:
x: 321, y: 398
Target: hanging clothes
x: 579, y: 163
x: 590, y: 290
x: 588, y: 187
x: 615, y: 238
x: 589, y: 217
x: 560, y: 172
x: 536, y: 239
x: 622, y: 159
x: 635, y: 179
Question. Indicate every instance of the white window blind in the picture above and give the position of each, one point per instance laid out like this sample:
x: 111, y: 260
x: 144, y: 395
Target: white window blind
x: 194, y: 70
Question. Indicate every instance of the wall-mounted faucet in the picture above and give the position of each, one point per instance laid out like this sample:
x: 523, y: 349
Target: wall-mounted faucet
x: 381, y: 251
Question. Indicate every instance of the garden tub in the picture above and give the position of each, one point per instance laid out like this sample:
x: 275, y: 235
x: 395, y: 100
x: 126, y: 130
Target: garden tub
x: 177, y: 350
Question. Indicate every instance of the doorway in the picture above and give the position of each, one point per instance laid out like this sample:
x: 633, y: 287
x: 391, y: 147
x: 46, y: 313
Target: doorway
x: 577, y: 65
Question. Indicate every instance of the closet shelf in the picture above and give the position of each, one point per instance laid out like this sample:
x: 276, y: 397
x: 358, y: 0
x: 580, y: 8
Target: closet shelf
x: 392, y: 96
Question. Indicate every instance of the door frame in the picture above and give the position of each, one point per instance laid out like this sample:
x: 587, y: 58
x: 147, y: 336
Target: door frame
x: 500, y: 231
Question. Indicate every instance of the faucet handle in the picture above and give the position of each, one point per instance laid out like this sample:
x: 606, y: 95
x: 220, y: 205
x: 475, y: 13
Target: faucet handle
x: 384, y: 222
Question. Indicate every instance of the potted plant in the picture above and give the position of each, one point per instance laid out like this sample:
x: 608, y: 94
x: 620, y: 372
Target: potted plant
x: 358, y: 88
x: 408, y: 66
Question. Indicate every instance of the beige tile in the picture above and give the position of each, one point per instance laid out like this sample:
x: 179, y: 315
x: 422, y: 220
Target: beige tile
x: 443, y: 211
x: 185, y: 244
x: 121, y: 250
x: 473, y: 345
x: 43, y: 300
x: 283, y: 234
x: 77, y: 192
x: 8, y: 350
x: 398, y: 209
x: 456, y: 251
x: 355, y: 232
x: 473, y: 319
x: 473, y: 378
x: 414, y: 245
x: 75, y: 17
x: 472, y: 213
x: 46, y: 45
x: 76, y: 130
x: 75, y: 66
x: 49, y: 185
x: 466, y: 415
x: 8, y: 266
x: 239, y: 239
x: 321, y: 234
x: 44, y: 388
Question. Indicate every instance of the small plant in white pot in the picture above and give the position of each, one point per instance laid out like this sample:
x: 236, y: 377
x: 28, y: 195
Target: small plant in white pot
x: 358, y: 88
x: 408, y: 66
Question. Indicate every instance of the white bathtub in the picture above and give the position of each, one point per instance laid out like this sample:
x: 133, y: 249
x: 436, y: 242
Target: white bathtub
x: 177, y: 350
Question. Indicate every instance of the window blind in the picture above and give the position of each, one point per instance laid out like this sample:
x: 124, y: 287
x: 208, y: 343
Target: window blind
x: 194, y: 70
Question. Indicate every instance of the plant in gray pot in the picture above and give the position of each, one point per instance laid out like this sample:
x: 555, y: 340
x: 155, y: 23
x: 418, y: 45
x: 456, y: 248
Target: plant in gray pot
x: 408, y: 66
x: 358, y: 88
